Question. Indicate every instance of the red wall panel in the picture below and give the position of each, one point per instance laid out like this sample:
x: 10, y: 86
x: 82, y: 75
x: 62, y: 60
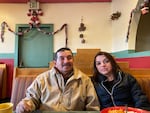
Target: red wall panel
x: 137, y: 62
x: 10, y: 67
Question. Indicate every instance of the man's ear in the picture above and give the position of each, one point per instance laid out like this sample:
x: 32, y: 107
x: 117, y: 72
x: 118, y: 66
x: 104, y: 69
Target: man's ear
x: 52, y: 64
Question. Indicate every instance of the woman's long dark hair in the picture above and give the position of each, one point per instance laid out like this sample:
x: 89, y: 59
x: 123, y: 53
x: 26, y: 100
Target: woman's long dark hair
x: 115, y: 66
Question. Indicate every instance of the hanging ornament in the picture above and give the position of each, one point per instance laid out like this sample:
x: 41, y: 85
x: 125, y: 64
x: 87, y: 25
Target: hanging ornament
x: 115, y: 15
x: 2, y: 31
x: 83, y: 41
x: 34, y: 12
x: 34, y: 21
x: 40, y: 12
x: 82, y: 28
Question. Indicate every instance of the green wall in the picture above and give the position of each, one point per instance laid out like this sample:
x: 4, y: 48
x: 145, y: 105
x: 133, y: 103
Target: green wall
x: 130, y: 53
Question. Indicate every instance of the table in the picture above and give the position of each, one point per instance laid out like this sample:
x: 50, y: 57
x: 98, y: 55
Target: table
x: 38, y: 111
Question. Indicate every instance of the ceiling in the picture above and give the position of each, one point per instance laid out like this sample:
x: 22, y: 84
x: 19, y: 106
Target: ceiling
x: 53, y: 1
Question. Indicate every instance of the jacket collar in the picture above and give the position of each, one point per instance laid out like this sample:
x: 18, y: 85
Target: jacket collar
x: 104, y: 78
x: 76, y: 74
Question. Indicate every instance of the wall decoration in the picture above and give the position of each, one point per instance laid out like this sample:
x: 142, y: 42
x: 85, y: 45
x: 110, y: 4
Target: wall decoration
x: 34, y: 12
x: 34, y: 21
x: 116, y: 15
x: 143, y: 8
x: 81, y: 29
x: 2, y: 31
x: 82, y: 38
x: 131, y: 16
x: 4, y: 24
x: 33, y: 4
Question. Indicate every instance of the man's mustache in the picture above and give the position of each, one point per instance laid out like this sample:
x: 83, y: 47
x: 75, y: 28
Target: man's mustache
x: 67, y: 64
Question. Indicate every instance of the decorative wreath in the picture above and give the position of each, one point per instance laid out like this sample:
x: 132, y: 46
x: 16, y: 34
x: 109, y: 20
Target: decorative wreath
x: 34, y: 19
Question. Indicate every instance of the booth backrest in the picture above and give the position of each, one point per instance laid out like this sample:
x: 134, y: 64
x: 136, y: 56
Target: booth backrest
x: 22, y: 78
x: 3, y: 81
x: 19, y: 89
x: 144, y: 81
x: 83, y: 60
x: 143, y: 78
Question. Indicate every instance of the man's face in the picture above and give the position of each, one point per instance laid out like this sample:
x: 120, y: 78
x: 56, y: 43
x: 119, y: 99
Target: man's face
x: 64, y: 62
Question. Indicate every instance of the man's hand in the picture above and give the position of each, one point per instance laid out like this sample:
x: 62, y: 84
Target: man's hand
x: 24, y: 107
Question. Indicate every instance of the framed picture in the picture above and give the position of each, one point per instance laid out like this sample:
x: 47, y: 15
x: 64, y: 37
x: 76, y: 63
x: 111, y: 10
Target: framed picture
x: 33, y: 4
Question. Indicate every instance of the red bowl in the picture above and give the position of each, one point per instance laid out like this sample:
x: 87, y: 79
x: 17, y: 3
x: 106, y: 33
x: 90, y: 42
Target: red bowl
x: 135, y: 110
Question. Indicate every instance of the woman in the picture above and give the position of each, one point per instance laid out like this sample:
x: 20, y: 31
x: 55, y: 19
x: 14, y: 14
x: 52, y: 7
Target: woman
x: 115, y: 87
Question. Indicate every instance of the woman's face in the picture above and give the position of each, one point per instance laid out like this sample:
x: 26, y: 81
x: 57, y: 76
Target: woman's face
x: 103, y: 65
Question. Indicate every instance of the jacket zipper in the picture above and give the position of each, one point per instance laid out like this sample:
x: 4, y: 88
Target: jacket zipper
x: 111, y: 93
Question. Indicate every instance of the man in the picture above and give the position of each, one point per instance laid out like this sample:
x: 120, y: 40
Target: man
x: 63, y: 88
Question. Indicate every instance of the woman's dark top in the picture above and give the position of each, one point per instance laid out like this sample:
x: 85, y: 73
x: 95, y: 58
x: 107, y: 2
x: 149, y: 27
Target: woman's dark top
x: 123, y: 91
